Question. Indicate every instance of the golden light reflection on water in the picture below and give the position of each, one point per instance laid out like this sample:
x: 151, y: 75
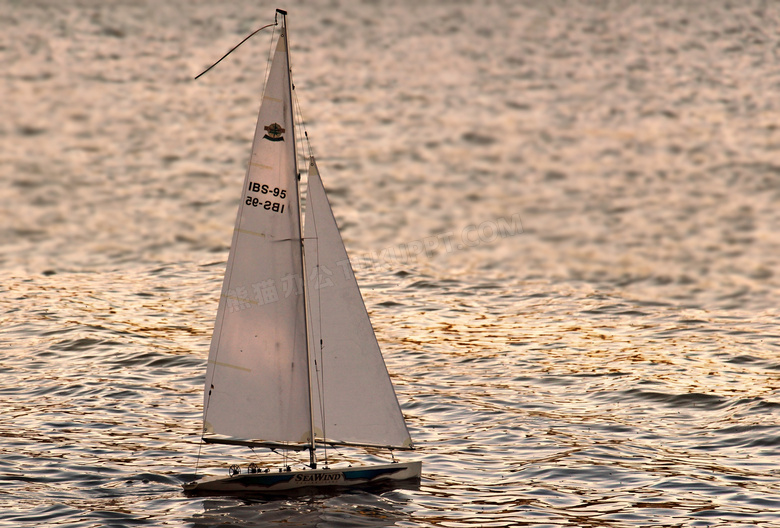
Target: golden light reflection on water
x: 622, y: 402
x: 612, y: 363
x: 579, y: 406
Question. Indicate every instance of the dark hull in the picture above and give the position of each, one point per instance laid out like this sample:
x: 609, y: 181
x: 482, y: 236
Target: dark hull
x: 285, y: 482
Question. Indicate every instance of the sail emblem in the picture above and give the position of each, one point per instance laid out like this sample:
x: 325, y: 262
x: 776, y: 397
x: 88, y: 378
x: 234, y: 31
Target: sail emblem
x: 275, y: 132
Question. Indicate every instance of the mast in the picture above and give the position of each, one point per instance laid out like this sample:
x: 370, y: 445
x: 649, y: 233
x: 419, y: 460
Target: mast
x: 312, y: 445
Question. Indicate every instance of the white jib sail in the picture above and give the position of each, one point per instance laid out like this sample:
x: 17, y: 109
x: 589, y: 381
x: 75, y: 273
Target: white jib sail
x: 352, y: 396
x: 257, y: 380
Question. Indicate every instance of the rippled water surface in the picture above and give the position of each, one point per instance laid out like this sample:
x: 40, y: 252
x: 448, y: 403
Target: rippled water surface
x: 564, y: 218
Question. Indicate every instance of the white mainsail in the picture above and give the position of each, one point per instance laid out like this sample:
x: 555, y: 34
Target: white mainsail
x: 257, y: 380
x: 352, y: 397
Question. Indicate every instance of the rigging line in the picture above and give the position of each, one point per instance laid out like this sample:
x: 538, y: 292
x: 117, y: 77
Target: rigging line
x: 298, y: 120
x: 302, y: 124
x: 236, y: 46
x: 197, y: 461
x: 270, y: 55
x: 296, y: 105
x: 304, y: 292
x: 320, y: 372
x: 321, y: 385
x: 301, y: 121
x: 318, y: 360
x: 305, y: 147
x: 305, y: 143
x: 298, y: 113
x: 321, y: 376
x: 322, y: 360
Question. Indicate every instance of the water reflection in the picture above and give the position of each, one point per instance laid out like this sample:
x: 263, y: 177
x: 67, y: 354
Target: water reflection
x: 344, y: 509
x: 615, y: 364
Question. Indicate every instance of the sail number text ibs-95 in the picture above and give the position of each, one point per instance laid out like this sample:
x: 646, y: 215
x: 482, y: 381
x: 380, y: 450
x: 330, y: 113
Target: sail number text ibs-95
x: 268, y: 205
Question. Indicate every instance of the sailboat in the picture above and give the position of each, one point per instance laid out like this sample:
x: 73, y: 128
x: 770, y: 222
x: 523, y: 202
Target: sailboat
x: 294, y: 364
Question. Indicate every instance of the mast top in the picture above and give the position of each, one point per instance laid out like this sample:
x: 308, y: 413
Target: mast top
x: 281, y: 11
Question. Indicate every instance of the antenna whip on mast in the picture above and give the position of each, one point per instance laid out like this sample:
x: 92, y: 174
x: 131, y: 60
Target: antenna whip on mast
x: 236, y: 46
